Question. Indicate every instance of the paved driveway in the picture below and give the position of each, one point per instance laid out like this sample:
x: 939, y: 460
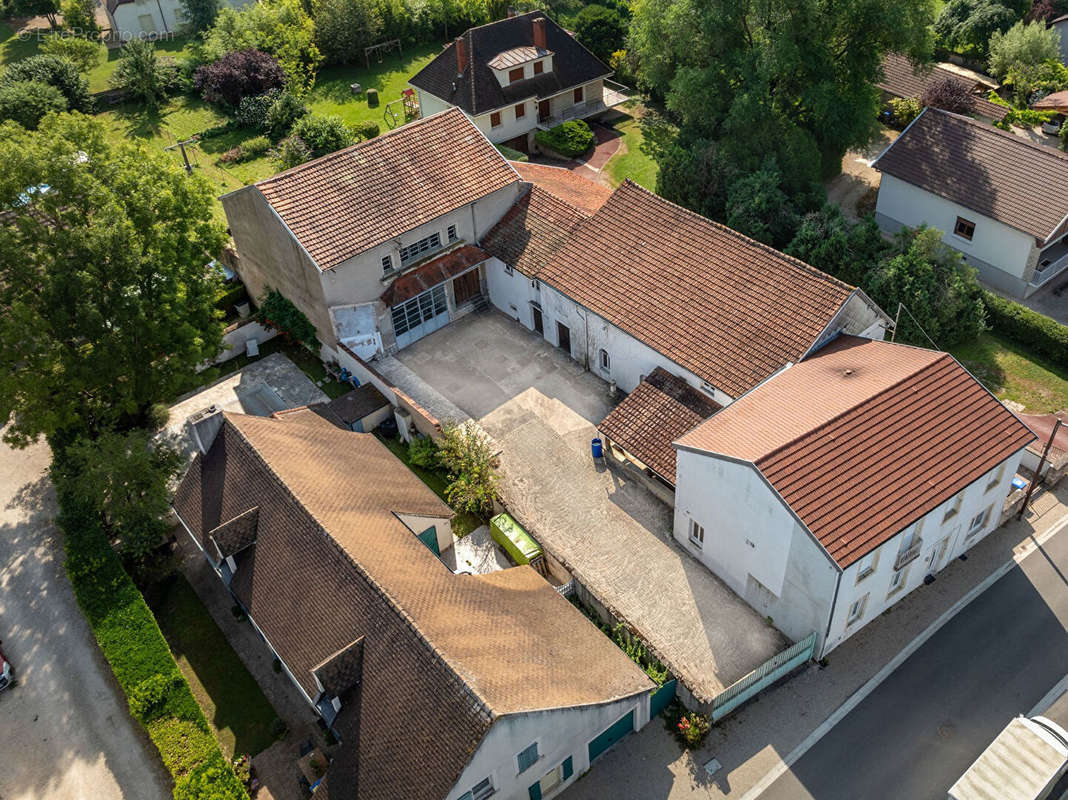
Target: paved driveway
x: 608, y: 529
x: 66, y: 731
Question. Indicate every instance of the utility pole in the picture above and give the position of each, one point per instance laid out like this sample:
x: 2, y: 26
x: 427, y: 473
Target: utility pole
x: 1041, y: 463
x: 185, y: 156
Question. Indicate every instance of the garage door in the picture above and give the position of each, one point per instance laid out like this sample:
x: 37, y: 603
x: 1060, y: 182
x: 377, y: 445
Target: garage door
x: 420, y: 316
x: 619, y: 729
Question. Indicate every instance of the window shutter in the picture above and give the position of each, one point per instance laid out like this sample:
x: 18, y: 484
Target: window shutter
x: 535, y: 791
x: 569, y: 768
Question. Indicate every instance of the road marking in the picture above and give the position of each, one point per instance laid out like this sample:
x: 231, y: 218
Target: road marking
x: 872, y: 684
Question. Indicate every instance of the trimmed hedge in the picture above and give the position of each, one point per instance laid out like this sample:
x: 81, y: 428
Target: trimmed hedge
x: 510, y: 154
x: 572, y: 138
x: 159, y: 696
x: 1035, y: 331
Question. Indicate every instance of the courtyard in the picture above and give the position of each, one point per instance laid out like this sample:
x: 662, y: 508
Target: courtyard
x: 602, y: 524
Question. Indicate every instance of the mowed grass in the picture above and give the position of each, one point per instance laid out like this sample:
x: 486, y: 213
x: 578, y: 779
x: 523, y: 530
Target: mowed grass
x: 1012, y: 373
x: 634, y: 159
x: 240, y: 715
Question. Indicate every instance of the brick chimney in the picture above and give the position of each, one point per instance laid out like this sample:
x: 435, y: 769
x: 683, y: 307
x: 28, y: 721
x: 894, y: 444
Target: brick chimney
x: 539, y: 33
x: 461, y: 55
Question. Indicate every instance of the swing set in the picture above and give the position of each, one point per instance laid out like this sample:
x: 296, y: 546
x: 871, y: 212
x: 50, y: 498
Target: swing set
x: 380, y: 49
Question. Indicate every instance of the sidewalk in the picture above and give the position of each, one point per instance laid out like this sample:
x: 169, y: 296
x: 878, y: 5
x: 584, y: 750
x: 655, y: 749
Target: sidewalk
x: 753, y: 741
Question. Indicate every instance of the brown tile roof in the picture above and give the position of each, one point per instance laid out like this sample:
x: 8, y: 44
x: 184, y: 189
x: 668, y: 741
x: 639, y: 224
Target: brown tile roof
x: 1042, y: 426
x: 532, y: 230
x: 727, y: 308
x: 433, y: 272
x: 993, y: 172
x: 477, y: 90
x: 341, y: 204
x: 902, y: 78
x: 339, y: 672
x: 443, y: 654
x: 1057, y: 101
x: 897, y: 431
x: 661, y: 409
x: 236, y: 534
x: 582, y: 193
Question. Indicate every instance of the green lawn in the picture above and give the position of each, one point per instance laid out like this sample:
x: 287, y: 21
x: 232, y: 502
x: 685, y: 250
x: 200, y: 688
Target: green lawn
x: 1012, y: 373
x: 241, y: 717
x: 463, y: 523
x: 633, y: 161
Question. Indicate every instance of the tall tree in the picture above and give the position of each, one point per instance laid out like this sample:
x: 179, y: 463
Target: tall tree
x: 141, y: 74
x: 601, y: 30
x: 107, y: 299
x: 800, y: 69
x: 343, y: 28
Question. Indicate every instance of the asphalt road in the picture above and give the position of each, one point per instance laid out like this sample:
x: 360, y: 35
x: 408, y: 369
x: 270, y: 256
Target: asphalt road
x: 921, y: 728
x: 65, y: 731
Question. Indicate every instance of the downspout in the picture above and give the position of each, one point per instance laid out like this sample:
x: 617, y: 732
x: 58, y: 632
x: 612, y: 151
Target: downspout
x: 162, y: 18
x: 586, y: 326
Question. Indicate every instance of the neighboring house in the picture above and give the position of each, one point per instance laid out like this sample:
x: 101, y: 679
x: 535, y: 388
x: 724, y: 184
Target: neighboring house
x: 377, y: 243
x: 902, y: 78
x: 439, y: 686
x: 831, y: 490
x: 514, y: 76
x: 1000, y: 200
x: 1061, y: 26
x: 134, y: 19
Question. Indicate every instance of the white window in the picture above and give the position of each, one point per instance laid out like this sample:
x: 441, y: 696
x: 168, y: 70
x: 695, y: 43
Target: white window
x: 954, y: 507
x: 856, y: 611
x: 866, y: 565
x: 606, y: 361
x: 527, y: 758
x: 897, y: 581
x: 995, y: 479
x: 979, y: 521
x: 452, y: 233
x: 508, y: 269
x: 424, y: 245
x: 387, y: 264
x: 480, y: 791
x: 697, y: 534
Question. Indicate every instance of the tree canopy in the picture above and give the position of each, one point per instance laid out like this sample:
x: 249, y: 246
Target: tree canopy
x: 1024, y: 44
x: 58, y: 72
x: 108, y: 300
x: 343, y: 28
x: 970, y: 23
x: 602, y: 30
x: 27, y: 102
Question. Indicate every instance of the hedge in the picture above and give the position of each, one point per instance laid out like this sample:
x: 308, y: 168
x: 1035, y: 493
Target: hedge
x: 510, y: 154
x: 571, y: 138
x: 1035, y: 331
x: 131, y: 641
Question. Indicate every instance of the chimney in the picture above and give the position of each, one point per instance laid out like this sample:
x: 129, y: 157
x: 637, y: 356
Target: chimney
x: 461, y: 55
x: 539, y: 33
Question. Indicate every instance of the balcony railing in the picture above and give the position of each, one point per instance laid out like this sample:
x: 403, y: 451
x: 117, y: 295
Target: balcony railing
x: 908, y: 554
x: 1043, y: 272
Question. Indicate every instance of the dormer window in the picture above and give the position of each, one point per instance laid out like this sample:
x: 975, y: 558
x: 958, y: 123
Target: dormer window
x: 515, y: 75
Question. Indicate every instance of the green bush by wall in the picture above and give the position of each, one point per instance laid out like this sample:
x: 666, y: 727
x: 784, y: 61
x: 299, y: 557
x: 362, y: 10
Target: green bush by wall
x: 572, y: 138
x: 159, y: 696
x: 1035, y: 331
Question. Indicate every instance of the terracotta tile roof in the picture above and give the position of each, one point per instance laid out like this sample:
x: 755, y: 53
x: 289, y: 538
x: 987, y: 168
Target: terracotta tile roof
x: 897, y: 431
x: 532, y: 230
x: 902, y: 78
x: 993, y: 172
x: 662, y: 408
x: 717, y: 303
x: 477, y: 90
x: 433, y: 272
x: 582, y: 193
x: 341, y: 204
x: 333, y: 562
x: 1042, y: 426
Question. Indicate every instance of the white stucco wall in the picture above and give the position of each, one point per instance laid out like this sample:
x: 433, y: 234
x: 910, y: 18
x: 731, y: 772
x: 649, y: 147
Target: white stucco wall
x: 131, y: 20
x: 1003, y: 255
x: 932, y: 532
x: 442, y: 528
x: 560, y: 733
x: 750, y: 535
x: 1062, y: 29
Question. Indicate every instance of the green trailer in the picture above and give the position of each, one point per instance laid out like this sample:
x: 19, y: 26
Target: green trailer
x: 519, y: 544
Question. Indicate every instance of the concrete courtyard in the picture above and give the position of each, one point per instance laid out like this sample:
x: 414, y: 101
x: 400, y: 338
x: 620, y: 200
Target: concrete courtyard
x: 607, y: 528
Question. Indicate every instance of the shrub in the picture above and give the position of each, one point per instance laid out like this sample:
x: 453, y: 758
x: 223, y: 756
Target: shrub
x: 83, y: 53
x: 255, y: 147
x: 58, y: 72
x: 200, y: 13
x: 423, y: 452
x: 366, y: 129
x: 291, y: 152
x: 283, y: 113
x: 237, y: 75
x: 510, y: 154
x: 79, y: 16
x: 464, y: 452
x: 252, y: 110
x: 27, y: 102
x: 275, y: 311
x: 1022, y: 44
x: 691, y: 729
x: 323, y: 134
x: 231, y: 297
x: 149, y: 696
x: 1035, y: 331
x: 949, y: 94
x: 572, y: 138
x: 905, y: 109
x: 142, y: 75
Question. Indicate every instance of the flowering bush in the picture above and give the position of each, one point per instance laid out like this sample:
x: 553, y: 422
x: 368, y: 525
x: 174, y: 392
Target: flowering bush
x: 692, y: 729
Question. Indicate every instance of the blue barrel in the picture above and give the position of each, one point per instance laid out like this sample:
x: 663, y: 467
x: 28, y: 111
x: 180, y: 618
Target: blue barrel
x: 597, y: 447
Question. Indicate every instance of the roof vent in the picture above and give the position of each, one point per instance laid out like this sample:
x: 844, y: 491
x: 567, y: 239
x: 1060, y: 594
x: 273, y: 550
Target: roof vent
x: 848, y: 372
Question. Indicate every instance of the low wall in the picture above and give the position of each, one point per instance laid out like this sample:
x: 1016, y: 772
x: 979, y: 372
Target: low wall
x: 424, y: 422
x: 238, y: 335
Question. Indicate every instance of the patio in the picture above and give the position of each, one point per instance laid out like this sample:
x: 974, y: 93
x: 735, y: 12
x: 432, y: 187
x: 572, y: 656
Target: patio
x: 608, y: 529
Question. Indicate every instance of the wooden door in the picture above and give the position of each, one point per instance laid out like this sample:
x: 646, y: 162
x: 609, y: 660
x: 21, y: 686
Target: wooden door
x: 544, y: 110
x: 466, y: 287
x: 563, y: 337
x: 538, y: 326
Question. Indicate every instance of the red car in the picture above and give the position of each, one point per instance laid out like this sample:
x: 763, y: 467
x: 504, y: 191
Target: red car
x: 7, y: 672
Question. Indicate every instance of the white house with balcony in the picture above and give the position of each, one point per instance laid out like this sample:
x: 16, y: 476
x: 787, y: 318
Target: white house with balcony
x: 999, y: 199
x: 823, y: 514
x: 516, y: 75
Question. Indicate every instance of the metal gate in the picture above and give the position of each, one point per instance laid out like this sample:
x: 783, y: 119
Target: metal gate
x: 659, y: 699
x: 620, y: 728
